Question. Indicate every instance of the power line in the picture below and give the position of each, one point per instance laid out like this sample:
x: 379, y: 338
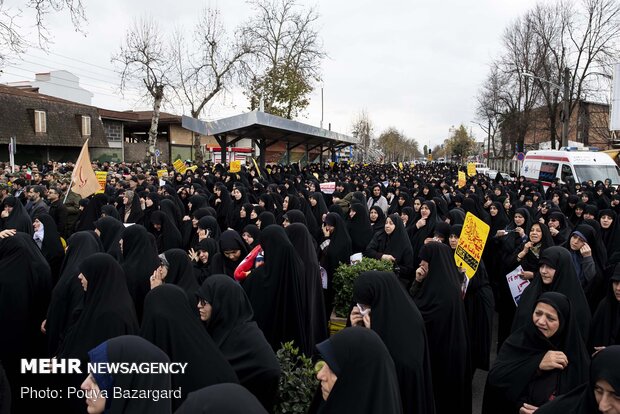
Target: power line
x: 77, y: 60
x: 60, y: 64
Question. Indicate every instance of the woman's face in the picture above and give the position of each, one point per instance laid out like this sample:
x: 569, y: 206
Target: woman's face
x: 236, y: 194
x: 416, y: 205
x: 519, y: 220
x: 95, y: 402
x: 507, y: 205
x: 588, y: 216
x: 404, y: 218
x: 36, y: 224
x: 606, y: 221
x: 327, y: 378
x: 554, y: 223
x: 248, y: 237
x: 285, y: 204
x: 373, y: 215
x: 148, y: 202
x: 578, y: 211
x: 616, y: 287
x: 535, y: 234
x: 547, y: 273
x: 546, y: 319
x: 576, y: 242
x: 242, y: 213
x: 389, y: 226
x: 217, y: 191
x: 493, y: 211
x: 205, y: 309
x: 401, y: 201
x: 606, y: 397
x: 425, y: 211
x: 233, y: 255
x: 253, y: 215
x: 454, y: 241
x: 313, y: 201
x: 83, y: 281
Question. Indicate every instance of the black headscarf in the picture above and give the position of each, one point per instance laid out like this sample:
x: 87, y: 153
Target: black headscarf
x: 229, y: 240
x: 181, y: 273
x: 18, y: 219
x: 399, y: 323
x: 139, y: 262
x: 417, y: 236
x: 604, y: 366
x: 132, y: 349
x: 359, y: 228
x: 221, y: 399
x: 316, y: 322
x: 367, y: 381
x: 110, y: 210
x: 110, y: 232
x: 170, y: 324
x: 68, y: 293
x: 92, y: 212
x: 266, y: 218
x: 108, y: 308
x: 564, y: 230
x: 605, y: 327
x: 379, y: 224
x: 439, y: 301
x: 500, y: 220
x: 168, y: 236
x: 515, y: 377
x: 565, y: 281
x: 239, y: 338
x: 51, y: 246
x: 210, y: 224
x: 276, y: 291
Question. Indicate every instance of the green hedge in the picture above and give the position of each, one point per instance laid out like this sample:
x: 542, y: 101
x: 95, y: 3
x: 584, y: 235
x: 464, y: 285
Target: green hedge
x: 345, y: 277
x: 298, y: 381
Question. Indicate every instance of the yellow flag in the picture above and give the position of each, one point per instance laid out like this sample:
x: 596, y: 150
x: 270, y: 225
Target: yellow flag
x: 84, y: 178
x: 462, y: 179
x: 235, y: 166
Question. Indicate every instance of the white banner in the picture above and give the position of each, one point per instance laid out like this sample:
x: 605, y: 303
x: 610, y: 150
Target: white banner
x: 517, y: 284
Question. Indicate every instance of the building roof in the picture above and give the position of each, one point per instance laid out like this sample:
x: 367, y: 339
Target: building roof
x: 138, y: 116
x: 63, y: 119
x: 261, y: 125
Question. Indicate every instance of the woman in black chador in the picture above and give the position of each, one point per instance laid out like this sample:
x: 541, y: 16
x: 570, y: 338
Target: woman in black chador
x: 437, y: 294
x: 227, y: 312
x: 394, y: 316
x: 221, y: 399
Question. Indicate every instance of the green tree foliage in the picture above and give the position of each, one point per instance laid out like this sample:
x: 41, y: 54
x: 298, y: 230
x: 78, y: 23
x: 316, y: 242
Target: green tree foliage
x: 297, y: 382
x: 396, y: 147
x: 460, y: 145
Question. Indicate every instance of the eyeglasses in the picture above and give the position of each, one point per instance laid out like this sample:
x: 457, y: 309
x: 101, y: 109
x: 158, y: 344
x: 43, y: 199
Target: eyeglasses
x: 202, y: 302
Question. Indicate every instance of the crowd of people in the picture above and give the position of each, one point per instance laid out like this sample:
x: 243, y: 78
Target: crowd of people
x: 219, y: 269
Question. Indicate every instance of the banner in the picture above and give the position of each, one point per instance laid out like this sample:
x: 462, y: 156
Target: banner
x: 462, y: 179
x: 179, y: 166
x: 235, y: 166
x: 83, y: 177
x: 471, y: 244
x: 101, y: 178
x: 517, y: 284
x: 328, y: 188
x: 160, y: 173
x: 471, y: 169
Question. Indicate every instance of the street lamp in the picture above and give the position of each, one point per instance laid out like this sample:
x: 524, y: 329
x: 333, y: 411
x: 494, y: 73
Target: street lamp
x: 565, y: 108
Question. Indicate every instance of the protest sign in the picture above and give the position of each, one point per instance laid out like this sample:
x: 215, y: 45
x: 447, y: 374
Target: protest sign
x: 471, y: 244
x: 517, y: 284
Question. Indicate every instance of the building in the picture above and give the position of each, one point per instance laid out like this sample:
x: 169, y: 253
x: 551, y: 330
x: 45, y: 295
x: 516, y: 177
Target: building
x: 46, y: 127
x: 58, y: 83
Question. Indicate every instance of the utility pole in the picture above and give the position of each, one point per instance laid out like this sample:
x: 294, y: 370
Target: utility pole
x: 565, y: 108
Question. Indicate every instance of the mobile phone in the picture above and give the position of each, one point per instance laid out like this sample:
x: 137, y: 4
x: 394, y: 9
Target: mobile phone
x: 363, y: 311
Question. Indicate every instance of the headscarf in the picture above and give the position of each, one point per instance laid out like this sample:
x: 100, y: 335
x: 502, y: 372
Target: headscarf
x: 359, y: 228
x: 399, y: 323
x: 18, y: 219
x: 605, y: 327
x: 229, y: 240
x: 171, y: 324
x: 217, y: 399
x: 168, y: 236
x: 110, y: 232
x: 51, y: 246
x: 181, y: 273
x: 378, y: 225
x: 367, y: 381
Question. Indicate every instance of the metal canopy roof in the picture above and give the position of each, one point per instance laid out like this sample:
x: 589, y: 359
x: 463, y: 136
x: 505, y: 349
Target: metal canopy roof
x: 263, y: 126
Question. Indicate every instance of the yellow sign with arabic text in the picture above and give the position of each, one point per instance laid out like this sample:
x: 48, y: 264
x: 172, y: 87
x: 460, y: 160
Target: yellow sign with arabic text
x: 462, y: 179
x: 179, y: 166
x: 471, y: 244
x: 160, y: 173
x: 235, y: 166
x: 102, y: 176
x: 471, y: 169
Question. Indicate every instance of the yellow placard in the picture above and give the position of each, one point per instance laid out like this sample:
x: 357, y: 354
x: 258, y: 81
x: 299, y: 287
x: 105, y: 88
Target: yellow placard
x: 193, y: 168
x: 471, y: 169
x: 331, y: 164
x: 101, y: 178
x: 400, y: 164
x: 462, y: 179
x: 179, y: 166
x: 160, y: 173
x: 235, y: 166
x: 256, y: 166
x: 471, y: 244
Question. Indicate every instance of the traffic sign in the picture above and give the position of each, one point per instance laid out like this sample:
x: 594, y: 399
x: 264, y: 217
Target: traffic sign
x: 157, y: 152
x: 520, y: 156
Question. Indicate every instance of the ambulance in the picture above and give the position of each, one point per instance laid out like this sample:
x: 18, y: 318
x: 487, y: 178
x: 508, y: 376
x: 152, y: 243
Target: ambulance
x: 579, y: 163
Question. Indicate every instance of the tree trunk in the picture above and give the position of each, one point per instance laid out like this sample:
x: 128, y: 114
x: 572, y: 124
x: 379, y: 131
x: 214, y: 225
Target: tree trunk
x: 150, y: 149
x: 198, y: 154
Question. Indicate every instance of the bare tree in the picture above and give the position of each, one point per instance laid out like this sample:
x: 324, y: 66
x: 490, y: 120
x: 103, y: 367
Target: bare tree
x: 206, y: 66
x: 288, y: 56
x: 362, y: 130
x: 145, y: 57
x: 14, y: 39
x: 489, y: 109
x: 396, y: 146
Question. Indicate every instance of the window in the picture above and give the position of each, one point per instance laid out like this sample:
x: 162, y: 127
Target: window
x: 548, y: 171
x: 40, y: 122
x: 85, y: 126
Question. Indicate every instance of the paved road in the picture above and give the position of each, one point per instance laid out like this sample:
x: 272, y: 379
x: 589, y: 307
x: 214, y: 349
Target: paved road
x: 480, y: 377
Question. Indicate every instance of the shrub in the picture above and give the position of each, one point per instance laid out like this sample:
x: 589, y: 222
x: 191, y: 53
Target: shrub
x: 298, y: 382
x: 345, y: 277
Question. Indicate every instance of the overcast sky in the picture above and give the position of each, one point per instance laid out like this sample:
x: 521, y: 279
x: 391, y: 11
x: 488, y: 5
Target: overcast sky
x: 415, y: 65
